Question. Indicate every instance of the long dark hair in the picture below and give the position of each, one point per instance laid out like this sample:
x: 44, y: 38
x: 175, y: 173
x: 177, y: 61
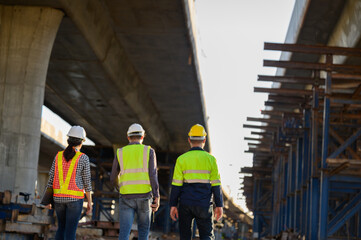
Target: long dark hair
x: 69, y: 151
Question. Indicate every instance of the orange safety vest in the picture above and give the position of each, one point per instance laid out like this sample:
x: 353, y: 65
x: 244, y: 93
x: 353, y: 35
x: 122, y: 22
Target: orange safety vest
x: 67, y: 188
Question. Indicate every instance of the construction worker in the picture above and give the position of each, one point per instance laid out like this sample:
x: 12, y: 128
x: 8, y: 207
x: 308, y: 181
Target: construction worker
x: 69, y: 177
x: 195, y: 180
x: 135, y: 170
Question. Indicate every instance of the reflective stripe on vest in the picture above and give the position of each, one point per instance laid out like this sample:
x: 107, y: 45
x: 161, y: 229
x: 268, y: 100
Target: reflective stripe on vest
x: 197, y: 171
x: 196, y: 167
x: 197, y: 180
x: 133, y: 162
x: 68, y: 187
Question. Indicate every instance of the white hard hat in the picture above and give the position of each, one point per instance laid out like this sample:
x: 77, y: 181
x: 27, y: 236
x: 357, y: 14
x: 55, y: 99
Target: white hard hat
x: 135, y: 130
x: 77, y: 132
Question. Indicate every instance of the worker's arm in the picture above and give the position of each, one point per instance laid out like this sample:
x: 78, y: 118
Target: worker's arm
x: 51, y: 174
x: 218, y: 213
x: 217, y: 196
x: 115, y: 172
x: 155, y: 204
x: 50, y: 181
x: 174, y: 196
x: 174, y: 213
x: 177, y: 184
x: 217, y: 191
x: 86, y: 176
x: 153, y: 178
x: 90, y: 202
x: 216, y: 184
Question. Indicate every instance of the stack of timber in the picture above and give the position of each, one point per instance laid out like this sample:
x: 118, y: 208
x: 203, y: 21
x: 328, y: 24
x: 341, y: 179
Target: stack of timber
x: 110, y: 230
x: 100, y: 230
x: 23, y: 221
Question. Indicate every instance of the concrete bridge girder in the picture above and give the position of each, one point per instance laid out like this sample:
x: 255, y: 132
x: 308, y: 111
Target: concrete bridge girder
x: 120, y: 87
x: 93, y: 22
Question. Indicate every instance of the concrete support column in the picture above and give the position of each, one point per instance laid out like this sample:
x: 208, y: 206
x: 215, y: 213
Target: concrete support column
x: 26, y: 38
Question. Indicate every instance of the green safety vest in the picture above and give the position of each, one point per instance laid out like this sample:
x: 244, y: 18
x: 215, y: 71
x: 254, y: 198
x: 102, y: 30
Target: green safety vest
x: 134, y: 175
x: 196, y: 166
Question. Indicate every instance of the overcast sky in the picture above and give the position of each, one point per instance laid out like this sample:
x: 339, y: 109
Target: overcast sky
x: 231, y: 34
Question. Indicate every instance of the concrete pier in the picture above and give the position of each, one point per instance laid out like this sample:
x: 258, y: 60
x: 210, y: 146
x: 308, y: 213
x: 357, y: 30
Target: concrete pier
x: 26, y: 38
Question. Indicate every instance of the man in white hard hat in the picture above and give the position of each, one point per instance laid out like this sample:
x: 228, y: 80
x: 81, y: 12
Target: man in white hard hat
x: 135, y: 170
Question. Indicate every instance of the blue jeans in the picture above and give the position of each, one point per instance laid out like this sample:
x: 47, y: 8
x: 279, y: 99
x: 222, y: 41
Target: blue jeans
x: 127, y: 209
x: 68, y: 217
x: 204, y: 221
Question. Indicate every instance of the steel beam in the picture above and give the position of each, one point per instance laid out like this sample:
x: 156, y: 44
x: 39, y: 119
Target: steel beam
x: 346, y: 213
x: 289, y: 99
x: 353, y: 69
x: 312, y: 49
x: 338, y: 79
x: 341, y: 141
x: 304, y: 170
x: 286, y: 79
x: 256, y: 228
x: 262, y: 133
x: 277, y: 113
x: 252, y: 139
x: 290, y: 91
x: 324, y: 196
x: 313, y: 213
x: 265, y: 120
x: 278, y: 104
x: 347, y: 143
x: 269, y: 128
x: 346, y: 179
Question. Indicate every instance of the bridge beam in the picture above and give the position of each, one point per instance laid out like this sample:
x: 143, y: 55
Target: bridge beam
x: 344, y: 34
x: 92, y: 19
x: 26, y: 39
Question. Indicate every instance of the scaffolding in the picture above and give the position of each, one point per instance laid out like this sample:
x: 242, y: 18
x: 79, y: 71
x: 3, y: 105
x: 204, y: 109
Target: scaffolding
x: 306, y: 169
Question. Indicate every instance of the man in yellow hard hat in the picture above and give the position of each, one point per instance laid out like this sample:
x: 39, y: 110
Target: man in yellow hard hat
x: 195, y: 180
x: 135, y: 168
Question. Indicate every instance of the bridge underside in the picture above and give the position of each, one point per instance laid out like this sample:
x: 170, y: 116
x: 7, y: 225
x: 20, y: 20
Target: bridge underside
x: 156, y: 82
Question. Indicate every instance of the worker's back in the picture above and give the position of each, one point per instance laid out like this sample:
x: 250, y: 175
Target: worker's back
x: 198, y: 168
x: 197, y: 160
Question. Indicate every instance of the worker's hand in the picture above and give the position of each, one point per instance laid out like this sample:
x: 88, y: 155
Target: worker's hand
x: 48, y: 206
x: 174, y: 213
x: 218, y: 213
x: 155, y: 204
x: 89, y: 208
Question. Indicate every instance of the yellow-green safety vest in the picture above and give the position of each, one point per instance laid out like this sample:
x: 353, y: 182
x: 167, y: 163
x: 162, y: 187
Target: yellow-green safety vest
x: 134, y: 175
x: 196, y: 166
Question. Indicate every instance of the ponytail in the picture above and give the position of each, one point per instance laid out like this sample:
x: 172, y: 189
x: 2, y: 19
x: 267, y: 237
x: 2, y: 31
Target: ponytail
x: 69, y: 151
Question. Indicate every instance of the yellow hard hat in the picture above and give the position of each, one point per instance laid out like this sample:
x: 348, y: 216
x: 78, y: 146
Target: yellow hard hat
x: 197, y: 132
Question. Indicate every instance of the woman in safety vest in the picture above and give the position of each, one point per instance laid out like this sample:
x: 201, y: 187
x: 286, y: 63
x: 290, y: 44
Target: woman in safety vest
x: 69, y: 177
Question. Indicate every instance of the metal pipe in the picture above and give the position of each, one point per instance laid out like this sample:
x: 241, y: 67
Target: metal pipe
x: 324, y: 178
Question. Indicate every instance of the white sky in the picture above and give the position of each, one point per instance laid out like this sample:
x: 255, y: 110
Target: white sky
x: 231, y: 34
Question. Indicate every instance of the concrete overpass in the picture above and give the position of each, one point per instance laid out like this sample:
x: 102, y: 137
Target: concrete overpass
x: 102, y: 64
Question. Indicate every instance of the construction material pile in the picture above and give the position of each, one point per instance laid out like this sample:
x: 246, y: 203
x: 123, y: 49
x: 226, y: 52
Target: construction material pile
x: 23, y: 221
